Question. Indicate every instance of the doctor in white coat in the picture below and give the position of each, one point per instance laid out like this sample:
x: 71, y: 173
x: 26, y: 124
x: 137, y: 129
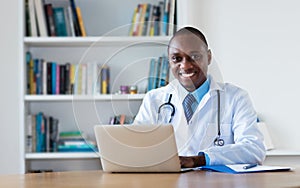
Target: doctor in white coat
x: 219, y: 126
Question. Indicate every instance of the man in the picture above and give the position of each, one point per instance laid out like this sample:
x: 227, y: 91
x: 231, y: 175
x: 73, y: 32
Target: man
x: 216, y: 124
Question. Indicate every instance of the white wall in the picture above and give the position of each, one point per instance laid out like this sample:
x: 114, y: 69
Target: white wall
x: 10, y: 157
x: 256, y: 44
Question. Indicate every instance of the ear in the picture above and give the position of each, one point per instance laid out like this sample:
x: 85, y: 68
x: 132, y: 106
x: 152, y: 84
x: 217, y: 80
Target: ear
x: 209, y: 56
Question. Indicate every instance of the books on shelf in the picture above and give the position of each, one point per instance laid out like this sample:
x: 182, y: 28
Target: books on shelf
x: 153, y: 19
x: 75, y: 141
x: 158, y: 72
x: 53, y: 78
x: 54, y: 18
x: 41, y: 133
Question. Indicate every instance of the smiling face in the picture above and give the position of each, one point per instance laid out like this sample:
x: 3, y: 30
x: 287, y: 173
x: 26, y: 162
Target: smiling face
x: 189, y: 59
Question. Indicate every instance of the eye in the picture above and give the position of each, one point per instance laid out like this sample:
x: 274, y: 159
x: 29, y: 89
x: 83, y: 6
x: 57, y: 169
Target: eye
x: 195, y: 57
x: 176, y: 59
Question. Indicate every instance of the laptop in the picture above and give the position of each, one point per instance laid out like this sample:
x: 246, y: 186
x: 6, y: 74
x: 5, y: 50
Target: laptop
x: 137, y: 148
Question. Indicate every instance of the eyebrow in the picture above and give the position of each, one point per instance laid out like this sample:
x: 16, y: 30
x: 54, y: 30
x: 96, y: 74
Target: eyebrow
x: 192, y: 52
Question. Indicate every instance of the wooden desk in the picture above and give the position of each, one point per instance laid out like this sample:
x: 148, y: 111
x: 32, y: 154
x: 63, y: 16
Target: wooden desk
x: 188, y: 179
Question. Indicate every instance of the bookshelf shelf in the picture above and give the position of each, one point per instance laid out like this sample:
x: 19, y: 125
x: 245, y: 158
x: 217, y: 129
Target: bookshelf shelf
x: 62, y: 155
x: 97, y: 41
x: 123, y: 97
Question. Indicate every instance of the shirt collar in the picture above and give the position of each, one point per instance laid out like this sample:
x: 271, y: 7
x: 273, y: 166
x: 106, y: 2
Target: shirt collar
x: 201, y: 91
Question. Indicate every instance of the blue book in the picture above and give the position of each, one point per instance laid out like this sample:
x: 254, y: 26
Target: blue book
x: 164, y: 72
x: 75, y: 18
x: 151, y: 74
x: 38, y: 77
x: 40, y: 133
x: 60, y: 21
x: 53, y: 77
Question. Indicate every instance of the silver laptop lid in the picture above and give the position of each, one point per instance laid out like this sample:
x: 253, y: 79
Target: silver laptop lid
x: 137, y: 148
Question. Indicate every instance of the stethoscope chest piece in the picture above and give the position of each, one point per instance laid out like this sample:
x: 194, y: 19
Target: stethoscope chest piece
x: 219, y: 142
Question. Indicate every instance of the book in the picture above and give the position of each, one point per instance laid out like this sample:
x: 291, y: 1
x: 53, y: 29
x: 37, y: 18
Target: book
x: 28, y: 60
x: 33, y: 128
x: 60, y: 21
x: 40, y: 133
x: 75, y: 18
x: 240, y: 168
x: 151, y: 74
x: 62, y: 77
x: 172, y: 17
x: 67, y: 78
x: 32, y: 19
x: 50, y: 19
x: 84, y: 77
x: 57, y: 83
x: 133, y: 21
x: 38, y: 76
x: 53, y: 77
x: 29, y: 131
x: 49, y: 78
x: 72, y: 78
x: 164, y: 72
x: 80, y: 21
x: 41, y: 20
x: 44, y: 76
x: 165, y: 20
x: 54, y: 133
x: 105, y: 77
x: 70, y: 21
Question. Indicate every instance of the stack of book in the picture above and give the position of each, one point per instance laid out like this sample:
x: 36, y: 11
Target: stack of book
x: 153, y: 19
x: 41, y: 133
x: 158, y: 72
x: 74, y: 141
x: 53, y: 18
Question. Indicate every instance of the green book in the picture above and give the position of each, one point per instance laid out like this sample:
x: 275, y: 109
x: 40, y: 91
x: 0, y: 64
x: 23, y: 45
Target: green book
x: 60, y: 21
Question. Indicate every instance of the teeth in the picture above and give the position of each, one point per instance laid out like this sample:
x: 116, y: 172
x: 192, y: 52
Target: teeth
x: 187, y: 75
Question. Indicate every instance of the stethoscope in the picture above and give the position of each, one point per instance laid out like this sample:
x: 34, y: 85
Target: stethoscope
x: 218, y: 141
x: 167, y: 105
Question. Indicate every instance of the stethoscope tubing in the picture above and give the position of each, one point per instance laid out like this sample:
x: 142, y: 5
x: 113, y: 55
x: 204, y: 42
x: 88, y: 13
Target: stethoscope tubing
x: 218, y: 140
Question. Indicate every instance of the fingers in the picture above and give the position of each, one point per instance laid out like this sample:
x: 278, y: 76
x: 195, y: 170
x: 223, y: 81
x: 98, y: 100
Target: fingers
x: 186, y: 162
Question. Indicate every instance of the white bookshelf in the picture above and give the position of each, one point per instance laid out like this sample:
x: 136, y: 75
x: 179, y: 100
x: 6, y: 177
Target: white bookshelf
x: 107, y: 42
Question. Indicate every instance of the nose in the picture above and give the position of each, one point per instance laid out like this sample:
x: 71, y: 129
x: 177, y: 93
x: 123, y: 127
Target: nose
x: 186, y: 62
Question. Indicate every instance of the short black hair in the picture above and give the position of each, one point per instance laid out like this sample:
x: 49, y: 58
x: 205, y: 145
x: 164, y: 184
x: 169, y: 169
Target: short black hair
x: 187, y: 30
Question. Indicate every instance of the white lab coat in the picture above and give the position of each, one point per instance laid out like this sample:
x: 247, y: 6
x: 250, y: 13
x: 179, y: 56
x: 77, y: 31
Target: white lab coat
x: 243, y: 140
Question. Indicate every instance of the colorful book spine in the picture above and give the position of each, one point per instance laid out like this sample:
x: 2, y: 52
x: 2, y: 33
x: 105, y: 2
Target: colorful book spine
x: 53, y: 78
x: 75, y: 19
x: 80, y: 21
x: 60, y: 21
x: 50, y: 19
x: 105, y: 79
